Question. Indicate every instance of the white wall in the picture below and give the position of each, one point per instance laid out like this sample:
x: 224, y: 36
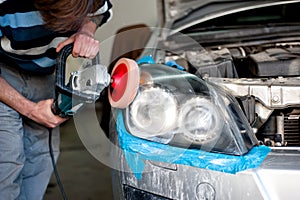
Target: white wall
x: 125, y: 12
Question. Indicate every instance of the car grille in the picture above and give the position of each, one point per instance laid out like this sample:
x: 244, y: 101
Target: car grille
x: 291, y: 130
x: 132, y: 193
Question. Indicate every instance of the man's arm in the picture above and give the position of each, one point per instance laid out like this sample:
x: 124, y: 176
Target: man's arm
x: 39, y: 112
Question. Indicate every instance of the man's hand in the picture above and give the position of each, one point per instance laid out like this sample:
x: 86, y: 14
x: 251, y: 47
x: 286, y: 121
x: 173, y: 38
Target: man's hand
x: 85, y: 45
x: 41, y: 113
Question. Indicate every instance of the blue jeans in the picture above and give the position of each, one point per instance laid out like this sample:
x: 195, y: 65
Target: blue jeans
x: 25, y: 164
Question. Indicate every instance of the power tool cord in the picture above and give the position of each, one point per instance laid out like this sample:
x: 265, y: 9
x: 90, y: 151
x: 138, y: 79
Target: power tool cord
x: 62, y: 191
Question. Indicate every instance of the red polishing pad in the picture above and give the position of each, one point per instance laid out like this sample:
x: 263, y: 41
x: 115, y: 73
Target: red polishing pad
x: 125, y: 82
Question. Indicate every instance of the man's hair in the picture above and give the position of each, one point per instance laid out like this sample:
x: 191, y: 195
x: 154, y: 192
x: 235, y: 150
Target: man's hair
x: 66, y: 15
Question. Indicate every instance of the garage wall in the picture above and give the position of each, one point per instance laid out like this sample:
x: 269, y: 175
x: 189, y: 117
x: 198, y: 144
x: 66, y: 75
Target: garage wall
x: 125, y: 12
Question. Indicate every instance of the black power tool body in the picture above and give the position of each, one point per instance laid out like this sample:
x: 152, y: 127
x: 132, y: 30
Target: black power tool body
x: 83, y: 87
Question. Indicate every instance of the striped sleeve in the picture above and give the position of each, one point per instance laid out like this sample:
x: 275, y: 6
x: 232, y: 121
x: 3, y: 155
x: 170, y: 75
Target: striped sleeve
x: 103, y: 14
x: 25, y: 42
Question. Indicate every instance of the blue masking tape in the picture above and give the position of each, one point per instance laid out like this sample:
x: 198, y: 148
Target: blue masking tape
x: 172, y: 63
x: 137, y: 150
x: 145, y: 60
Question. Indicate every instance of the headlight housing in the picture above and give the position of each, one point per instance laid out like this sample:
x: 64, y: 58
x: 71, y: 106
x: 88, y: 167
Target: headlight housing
x: 180, y: 109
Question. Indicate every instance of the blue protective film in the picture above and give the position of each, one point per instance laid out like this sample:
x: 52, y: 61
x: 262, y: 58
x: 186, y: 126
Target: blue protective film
x: 136, y: 150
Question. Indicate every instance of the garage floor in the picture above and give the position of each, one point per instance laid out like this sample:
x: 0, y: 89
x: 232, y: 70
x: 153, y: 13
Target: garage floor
x: 82, y: 176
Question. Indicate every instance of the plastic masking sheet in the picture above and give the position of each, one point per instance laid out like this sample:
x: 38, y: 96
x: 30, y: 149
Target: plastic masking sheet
x: 136, y: 150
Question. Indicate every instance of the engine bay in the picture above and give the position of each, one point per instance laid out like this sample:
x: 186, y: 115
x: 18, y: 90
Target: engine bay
x: 265, y: 80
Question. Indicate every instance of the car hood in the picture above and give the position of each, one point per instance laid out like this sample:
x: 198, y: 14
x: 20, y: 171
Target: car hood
x: 179, y: 14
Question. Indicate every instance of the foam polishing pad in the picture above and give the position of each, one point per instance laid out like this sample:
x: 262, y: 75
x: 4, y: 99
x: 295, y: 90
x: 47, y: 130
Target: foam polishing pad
x: 125, y: 78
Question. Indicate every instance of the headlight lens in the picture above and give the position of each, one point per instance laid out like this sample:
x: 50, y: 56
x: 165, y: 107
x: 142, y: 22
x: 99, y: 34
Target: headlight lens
x: 200, y: 120
x: 154, y: 112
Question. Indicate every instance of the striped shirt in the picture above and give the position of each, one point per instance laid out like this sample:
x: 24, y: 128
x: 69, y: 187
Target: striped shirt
x: 26, y: 43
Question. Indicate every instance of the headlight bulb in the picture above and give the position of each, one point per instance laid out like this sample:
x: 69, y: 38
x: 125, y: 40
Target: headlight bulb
x: 154, y: 112
x: 200, y: 120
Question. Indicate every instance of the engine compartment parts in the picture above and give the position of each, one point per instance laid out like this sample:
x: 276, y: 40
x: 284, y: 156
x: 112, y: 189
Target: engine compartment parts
x: 262, y: 64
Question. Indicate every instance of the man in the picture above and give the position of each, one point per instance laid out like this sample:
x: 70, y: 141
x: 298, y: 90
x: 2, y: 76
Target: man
x: 31, y: 34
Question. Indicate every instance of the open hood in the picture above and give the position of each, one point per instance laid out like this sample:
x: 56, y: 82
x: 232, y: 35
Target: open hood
x: 179, y: 14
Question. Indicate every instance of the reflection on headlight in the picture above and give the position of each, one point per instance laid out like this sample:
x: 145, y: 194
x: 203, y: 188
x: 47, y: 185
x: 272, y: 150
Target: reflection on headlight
x: 154, y: 111
x: 200, y: 120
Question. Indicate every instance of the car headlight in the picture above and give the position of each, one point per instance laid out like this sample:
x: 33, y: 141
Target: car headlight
x: 181, y: 109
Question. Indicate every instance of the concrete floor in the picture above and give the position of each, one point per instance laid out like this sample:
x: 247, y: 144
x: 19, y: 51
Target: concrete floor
x: 82, y: 176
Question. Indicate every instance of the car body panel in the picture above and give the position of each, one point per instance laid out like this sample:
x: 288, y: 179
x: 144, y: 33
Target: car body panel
x: 269, y: 181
